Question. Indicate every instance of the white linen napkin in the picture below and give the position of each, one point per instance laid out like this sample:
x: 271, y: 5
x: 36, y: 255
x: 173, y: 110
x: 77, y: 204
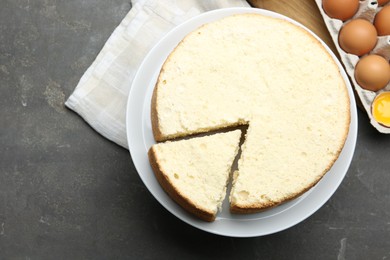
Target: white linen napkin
x: 101, y: 94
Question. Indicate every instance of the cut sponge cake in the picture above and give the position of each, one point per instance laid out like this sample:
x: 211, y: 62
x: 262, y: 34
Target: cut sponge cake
x: 271, y: 75
x: 195, y: 172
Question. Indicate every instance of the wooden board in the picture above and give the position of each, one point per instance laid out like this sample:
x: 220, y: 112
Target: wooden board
x: 304, y: 11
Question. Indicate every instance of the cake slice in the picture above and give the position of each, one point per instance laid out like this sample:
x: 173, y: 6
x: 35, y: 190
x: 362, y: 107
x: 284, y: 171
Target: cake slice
x: 195, y: 172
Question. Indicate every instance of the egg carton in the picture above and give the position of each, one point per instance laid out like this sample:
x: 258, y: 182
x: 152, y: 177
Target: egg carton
x: 367, y: 10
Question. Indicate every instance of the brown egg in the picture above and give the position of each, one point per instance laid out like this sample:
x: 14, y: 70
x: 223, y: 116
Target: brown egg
x: 382, y: 21
x: 358, y: 37
x: 382, y: 2
x: 372, y: 72
x: 340, y: 9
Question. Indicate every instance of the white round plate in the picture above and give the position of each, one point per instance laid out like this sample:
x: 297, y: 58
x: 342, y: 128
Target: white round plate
x: 140, y: 139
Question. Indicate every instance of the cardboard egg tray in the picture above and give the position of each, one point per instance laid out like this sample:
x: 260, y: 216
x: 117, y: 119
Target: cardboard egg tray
x: 367, y: 10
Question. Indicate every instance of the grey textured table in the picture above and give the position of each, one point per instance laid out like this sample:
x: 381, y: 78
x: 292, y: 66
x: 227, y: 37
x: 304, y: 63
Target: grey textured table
x: 67, y: 193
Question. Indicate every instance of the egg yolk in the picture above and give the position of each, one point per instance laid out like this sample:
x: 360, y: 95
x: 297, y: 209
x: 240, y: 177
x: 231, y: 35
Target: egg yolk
x: 381, y: 108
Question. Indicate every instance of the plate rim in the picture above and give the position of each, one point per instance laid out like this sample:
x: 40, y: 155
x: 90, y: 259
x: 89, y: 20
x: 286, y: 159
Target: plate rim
x: 132, y: 111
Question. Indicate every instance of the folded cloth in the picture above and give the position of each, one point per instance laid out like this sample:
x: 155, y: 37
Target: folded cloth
x: 101, y: 94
